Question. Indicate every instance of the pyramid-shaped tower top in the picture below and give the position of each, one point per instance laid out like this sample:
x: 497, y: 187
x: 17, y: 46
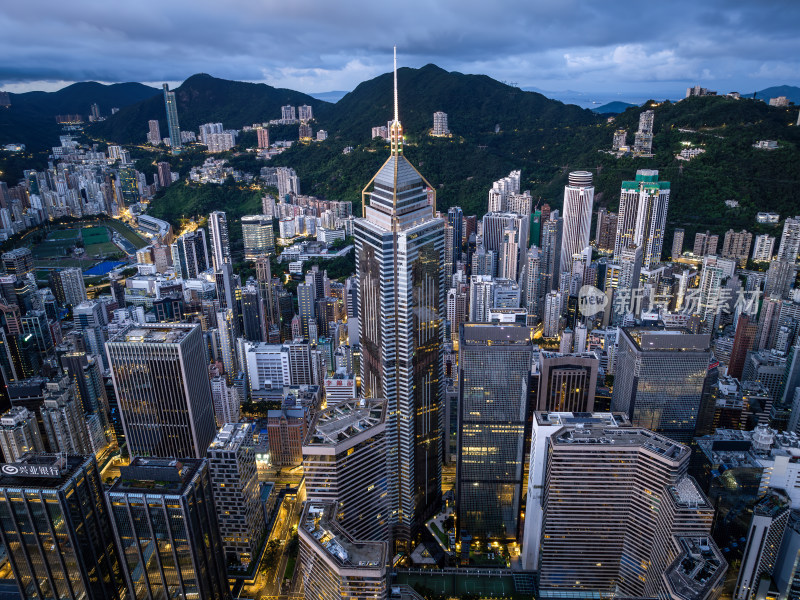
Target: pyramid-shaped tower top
x: 399, y: 197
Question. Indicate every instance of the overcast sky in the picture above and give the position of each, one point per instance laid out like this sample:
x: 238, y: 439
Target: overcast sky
x: 599, y: 46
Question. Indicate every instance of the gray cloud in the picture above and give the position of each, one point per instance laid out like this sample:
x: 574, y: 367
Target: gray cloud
x: 313, y: 45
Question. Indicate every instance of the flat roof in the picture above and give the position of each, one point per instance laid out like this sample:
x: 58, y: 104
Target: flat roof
x: 164, y: 476
x: 346, y: 420
x: 686, y: 492
x: 605, y: 419
x: 231, y: 436
x: 598, y: 435
x: 697, y: 569
x: 319, y: 523
x: 41, y: 471
x: 154, y: 334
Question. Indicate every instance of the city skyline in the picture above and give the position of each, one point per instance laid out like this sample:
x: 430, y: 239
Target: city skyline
x: 214, y: 385
x: 743, y: 47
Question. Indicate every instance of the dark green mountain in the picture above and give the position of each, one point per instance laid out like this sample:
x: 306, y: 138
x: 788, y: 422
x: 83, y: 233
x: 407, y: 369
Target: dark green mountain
x: 203, y: 99
x: 462, y: 170
x: 612, y: 108
x: 475, y: 104
x: 31, y: 117
x: 792, y: 92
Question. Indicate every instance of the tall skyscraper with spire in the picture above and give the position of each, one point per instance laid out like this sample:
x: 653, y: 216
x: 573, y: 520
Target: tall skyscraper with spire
x: 401, y: 300
x: 172, y: 119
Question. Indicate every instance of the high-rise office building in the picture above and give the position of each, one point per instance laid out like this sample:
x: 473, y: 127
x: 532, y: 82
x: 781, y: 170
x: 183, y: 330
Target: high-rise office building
x: 590, y: 522
x: 173, y: 126
x: 440, y: 127
x: 770, y: 517
x: 344, y: 462
x: 258, y: 236
x: 790, y: 240
x: 19, y: 433
x: 494, y: 364
x: 577, y: 215
x: 153, y: 132
x: 567, y: 382
x: 234, y: 482
x: 663, y: 400
x: 677, y: 243
x: 337, y: 564
x: 165, y: 522
x: 56, y: 529
x: 399, y: 261
x: 220, y: 241
x: 162, y: 389
x: 643, y: 205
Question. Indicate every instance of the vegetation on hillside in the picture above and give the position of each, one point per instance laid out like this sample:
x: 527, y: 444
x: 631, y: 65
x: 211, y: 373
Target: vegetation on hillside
x: 203, y: 99
x: 31, y: 117
x: 184, y: 201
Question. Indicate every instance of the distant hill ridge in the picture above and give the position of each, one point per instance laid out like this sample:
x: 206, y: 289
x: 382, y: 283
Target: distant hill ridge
x: 31, y: 117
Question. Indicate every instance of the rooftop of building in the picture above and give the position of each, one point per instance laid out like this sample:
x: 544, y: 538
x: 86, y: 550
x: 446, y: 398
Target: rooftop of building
x: 581, y: 419
x: 14, y: 416
x: 319, y: 524
x: 346, y: 420
x: 686, y: 493
x: 600, y: 435
x: 232, y: 436
x: 165, y: 476
x: 42, y: 471
x: 732, y: 448
x: 657, y: 339
x: 154, y: 334
x: 487, y: 334
x: 697, y: 569
x: 773, y: 504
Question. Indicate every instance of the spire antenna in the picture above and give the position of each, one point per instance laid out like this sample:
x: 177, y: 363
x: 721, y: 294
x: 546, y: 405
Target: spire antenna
x: 396, y: 113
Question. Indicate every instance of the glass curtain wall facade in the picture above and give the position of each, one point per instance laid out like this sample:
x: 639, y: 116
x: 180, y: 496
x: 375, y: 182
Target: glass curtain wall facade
x: 495, y: 366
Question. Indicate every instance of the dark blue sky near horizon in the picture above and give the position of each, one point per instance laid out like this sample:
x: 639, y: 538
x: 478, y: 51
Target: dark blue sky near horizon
x: 602, y: 48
